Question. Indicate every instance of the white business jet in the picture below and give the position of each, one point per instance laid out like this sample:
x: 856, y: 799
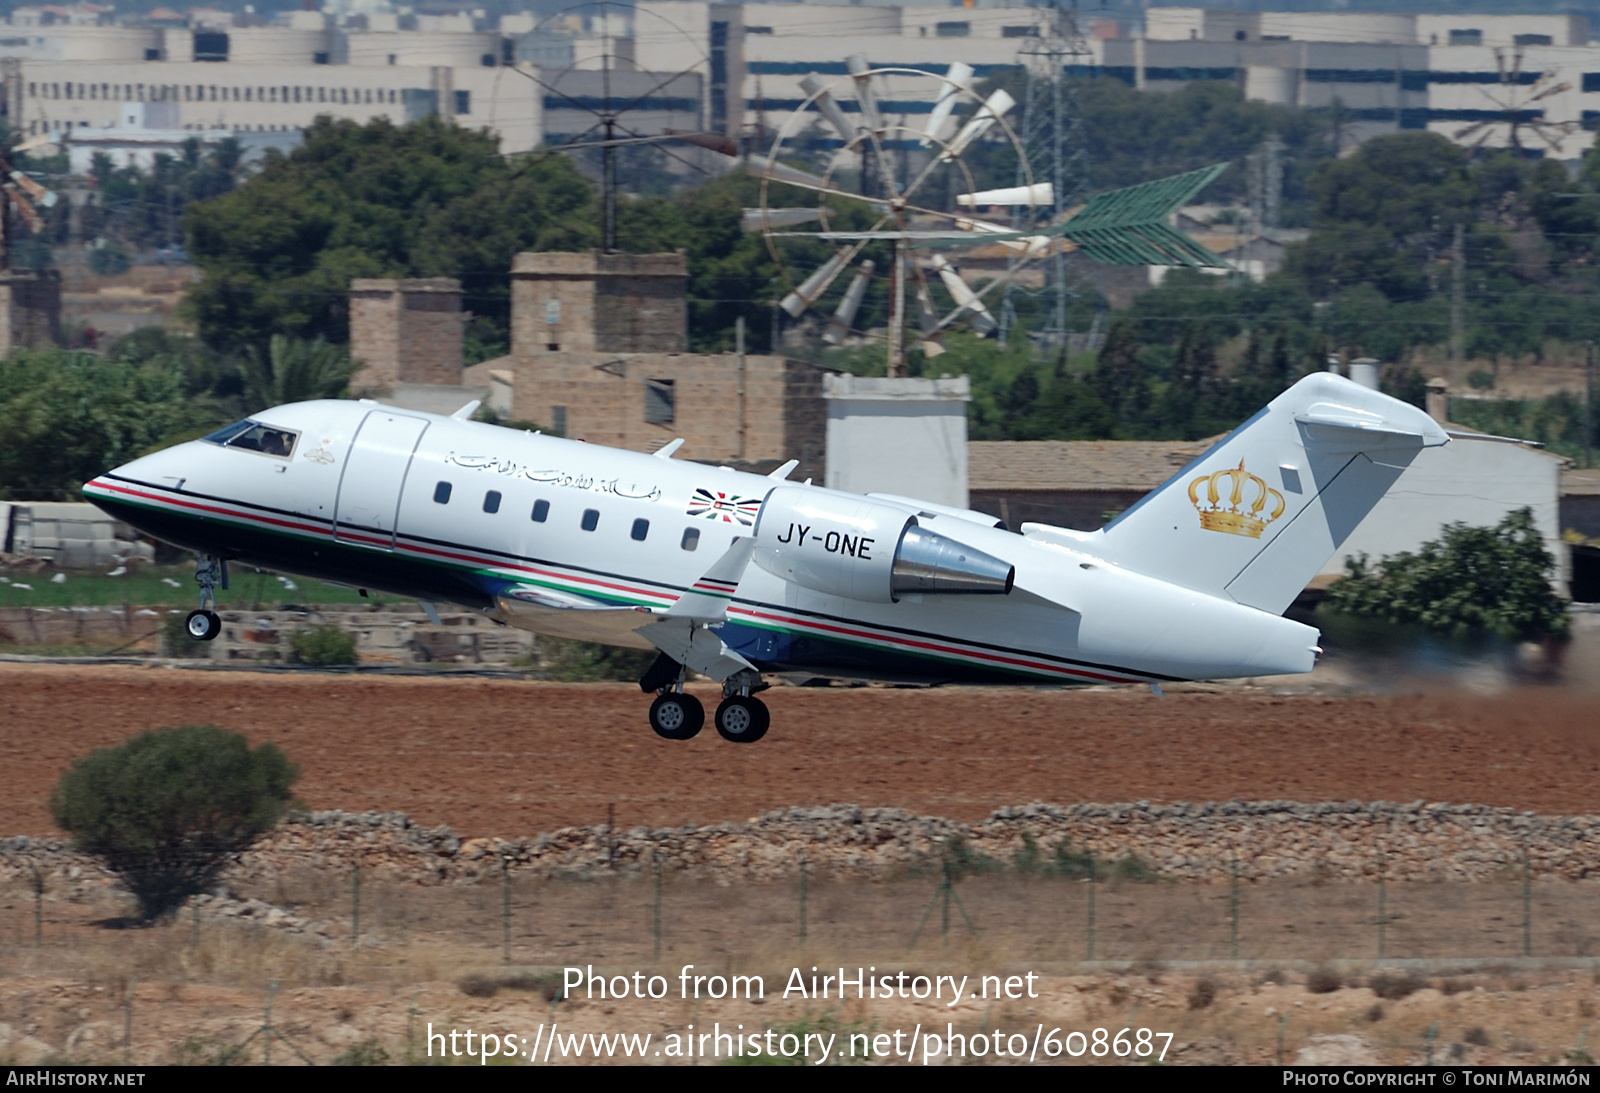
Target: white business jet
x: 737, y: 575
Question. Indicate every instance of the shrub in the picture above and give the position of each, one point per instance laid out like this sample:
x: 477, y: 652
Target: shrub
x: 363, y: 1053
x: 176, y: 642
x: 167, y: 809
x: 1469, y: 581
x: 1323, y: 981
x: 1203, y: 994
x: 322, y: 647
x: 1397, y: 986
x: 586, y: 662
x: 109, y: 261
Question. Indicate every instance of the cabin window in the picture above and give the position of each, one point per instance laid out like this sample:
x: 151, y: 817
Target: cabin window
x: 641, y: 528
x: 541, y: 511
x: 441, y: 493
x: 491, y: 501
x: 591, y: 519
x: 252, y: 436
x: 691, y: 538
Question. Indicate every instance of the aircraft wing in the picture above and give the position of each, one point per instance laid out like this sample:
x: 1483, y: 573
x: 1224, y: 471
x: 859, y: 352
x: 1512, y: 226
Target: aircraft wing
x: 688, y: 632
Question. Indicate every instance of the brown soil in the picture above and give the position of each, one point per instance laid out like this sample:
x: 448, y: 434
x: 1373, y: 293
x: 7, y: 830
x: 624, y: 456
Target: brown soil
x: 501, y: 757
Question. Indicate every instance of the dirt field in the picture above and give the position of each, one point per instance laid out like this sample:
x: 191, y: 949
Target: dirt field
x: 495, y: 757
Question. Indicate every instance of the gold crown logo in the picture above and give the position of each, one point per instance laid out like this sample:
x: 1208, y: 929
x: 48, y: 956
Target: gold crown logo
x: 1229, y: 512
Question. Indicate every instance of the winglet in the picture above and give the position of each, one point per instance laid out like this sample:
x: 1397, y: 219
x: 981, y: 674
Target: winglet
x: 709, y: 596
x: 783, y: 472
x: 468, y: 410
x: 667, y: 450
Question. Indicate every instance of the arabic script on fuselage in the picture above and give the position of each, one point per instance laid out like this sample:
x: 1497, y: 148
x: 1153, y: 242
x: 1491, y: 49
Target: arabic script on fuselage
x: 510, y: 468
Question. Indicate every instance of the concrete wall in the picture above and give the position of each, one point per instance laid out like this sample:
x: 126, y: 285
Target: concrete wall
x: 1475, y: 482
x: 70, y: 535
x: 904, y: 436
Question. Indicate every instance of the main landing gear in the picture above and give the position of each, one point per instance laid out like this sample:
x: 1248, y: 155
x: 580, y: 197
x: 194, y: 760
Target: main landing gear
x: 210, y: 572
x: 677, y: 715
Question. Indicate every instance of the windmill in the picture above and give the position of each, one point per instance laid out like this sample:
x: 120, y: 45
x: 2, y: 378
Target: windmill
x: 1514, y: 115
x: 23, y: 195
x: 915, y: 188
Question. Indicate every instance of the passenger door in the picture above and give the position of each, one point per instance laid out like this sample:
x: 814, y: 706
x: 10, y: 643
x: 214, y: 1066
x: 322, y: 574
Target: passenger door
x: 374, y: 475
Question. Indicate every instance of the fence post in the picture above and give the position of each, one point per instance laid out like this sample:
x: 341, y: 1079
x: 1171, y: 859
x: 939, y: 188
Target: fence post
x: 1527, y: 904
x: 38, y: 905
x: 505, y: 907
x: 1233, y: 911
x: 127, y: 1022
x: 656, y: 923
x: 1091, y: 906
x: 355, y: 907
x: 802, y: 899
x: 1383, y: 905
x: 194, y: 922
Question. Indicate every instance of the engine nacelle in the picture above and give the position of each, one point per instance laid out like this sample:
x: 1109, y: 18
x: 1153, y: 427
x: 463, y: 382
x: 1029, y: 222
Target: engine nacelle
x: 851, y: 546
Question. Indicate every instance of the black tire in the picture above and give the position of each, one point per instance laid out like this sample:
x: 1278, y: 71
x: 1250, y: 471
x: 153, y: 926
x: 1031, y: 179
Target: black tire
x: 203, y: 625
x: 677, y: 716
x: 742, y: 720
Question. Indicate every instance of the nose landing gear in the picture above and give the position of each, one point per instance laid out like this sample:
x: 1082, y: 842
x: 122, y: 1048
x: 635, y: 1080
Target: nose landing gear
x: 209, y: 573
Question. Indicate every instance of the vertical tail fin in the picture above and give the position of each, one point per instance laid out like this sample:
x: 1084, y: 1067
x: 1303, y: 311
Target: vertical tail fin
x: 1258, y: 515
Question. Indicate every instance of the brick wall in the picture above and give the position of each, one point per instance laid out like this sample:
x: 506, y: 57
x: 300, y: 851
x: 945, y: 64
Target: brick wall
x: 30, y: 309
x: 604, y: 399
x: 592, y: 302
x: 406, y: 331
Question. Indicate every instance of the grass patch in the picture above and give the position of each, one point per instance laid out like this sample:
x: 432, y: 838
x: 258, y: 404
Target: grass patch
x: 166, y: 586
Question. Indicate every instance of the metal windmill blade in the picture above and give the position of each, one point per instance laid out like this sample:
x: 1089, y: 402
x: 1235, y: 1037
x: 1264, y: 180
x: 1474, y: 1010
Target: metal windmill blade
x: 844, y: 316
x: 957, y: 79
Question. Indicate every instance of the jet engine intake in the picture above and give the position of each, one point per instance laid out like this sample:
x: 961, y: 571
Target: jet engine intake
x: 846, y: 545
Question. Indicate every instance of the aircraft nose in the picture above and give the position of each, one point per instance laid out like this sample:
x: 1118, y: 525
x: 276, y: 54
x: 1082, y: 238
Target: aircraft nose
x: 161, y: 468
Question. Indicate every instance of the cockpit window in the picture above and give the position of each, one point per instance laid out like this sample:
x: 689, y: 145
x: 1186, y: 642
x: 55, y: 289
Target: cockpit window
x: 253, y: 436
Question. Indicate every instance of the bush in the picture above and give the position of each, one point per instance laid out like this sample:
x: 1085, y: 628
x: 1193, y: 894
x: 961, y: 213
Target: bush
x: 1203, y: 994
x: 109, y: 261
x: 1323, y: 981
x: 586, y: 662
x: 322, y: 647
x: 167, y: 809
x: 176, y: 642
x: 1394, y: 987
x: 1469, y: 581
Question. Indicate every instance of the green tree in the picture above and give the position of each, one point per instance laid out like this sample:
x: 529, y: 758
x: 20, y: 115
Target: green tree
x: 145, y: 207
x: 168, y: 809
x: 293, y: 370
x: 1382, y: 214
x: 375, y: 200
x: 67, y: 416
x: 1471, y: 580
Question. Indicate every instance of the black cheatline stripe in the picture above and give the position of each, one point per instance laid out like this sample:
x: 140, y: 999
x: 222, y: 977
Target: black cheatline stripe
x: 845, y: 620
x: 930, y: 636
x: 398, y: 535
